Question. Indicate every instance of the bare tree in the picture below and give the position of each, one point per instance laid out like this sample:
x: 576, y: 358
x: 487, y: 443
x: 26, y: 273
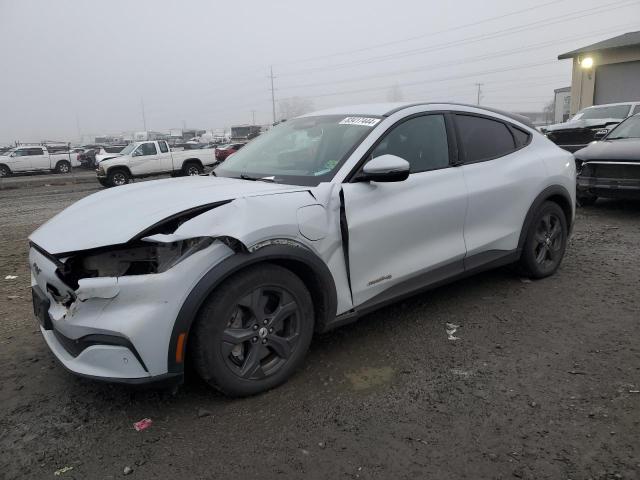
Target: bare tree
x: 549, y: 112
x: 395, y: 93
x: 294, y: 106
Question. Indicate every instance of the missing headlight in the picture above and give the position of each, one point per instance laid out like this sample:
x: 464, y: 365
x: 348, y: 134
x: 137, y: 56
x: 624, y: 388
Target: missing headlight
x: 140, y: 259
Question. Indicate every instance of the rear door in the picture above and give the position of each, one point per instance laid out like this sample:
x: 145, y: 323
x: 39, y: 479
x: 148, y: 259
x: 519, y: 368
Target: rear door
x: 404, y: 234
x: 39, y: 158
x: 502, y: 177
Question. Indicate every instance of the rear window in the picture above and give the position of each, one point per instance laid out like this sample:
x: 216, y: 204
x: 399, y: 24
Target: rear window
x: 484, y: 139
x: 163, y: 147
x: 522, y: 137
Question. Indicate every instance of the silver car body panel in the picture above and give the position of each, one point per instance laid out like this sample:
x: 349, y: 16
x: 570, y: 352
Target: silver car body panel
x: 396, y: 232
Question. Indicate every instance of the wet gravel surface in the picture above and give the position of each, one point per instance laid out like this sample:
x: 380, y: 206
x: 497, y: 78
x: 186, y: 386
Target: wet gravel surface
x: 542, y: 382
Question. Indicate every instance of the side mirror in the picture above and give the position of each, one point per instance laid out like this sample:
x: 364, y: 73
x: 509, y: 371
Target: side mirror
x: 385, y: 168
x: 600, y: 134
x: 137, y: 153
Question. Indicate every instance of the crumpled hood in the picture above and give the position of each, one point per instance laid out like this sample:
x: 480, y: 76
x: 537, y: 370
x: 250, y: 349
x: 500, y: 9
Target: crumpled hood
x: 621, y: 150
x: 116, y: 215
x: 578, y: 124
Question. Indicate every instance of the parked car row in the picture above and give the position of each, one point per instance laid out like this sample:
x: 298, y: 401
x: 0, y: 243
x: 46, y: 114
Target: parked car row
x: 591, y: 123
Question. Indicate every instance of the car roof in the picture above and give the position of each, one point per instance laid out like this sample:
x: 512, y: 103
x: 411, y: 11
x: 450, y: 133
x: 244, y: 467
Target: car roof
x: 387, y: 109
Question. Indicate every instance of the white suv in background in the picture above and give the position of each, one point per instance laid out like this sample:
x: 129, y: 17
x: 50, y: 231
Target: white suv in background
x: 311, y: 225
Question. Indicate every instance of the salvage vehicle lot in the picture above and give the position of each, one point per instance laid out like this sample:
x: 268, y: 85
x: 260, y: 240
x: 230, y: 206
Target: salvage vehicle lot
x: 542, y: 381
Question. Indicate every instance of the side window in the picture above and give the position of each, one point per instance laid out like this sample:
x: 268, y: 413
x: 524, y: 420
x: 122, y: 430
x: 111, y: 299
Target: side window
x: 148, y: 149
x: 35, y: 151
x: 484, y: 139
x: 636, y: 109
x: 421, y: 141
x: 23, y: 152
x: 522, y: 137
x: 163, y: 147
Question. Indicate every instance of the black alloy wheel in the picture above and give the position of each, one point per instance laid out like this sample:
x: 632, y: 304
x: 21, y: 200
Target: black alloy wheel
x: 546, y: 242
x: 253, y: 331
x: 262, y: 333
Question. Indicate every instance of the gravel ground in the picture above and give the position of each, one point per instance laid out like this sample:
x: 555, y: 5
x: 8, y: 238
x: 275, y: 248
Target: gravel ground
x: 542, y: 382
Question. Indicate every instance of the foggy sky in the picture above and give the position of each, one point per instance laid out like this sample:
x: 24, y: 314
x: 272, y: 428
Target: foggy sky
x: 85, y: 66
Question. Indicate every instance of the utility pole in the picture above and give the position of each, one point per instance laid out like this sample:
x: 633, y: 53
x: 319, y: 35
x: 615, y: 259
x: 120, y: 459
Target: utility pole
x: 253, y: 117
x: 479, y: 85
x: 144, y: 119
x: 79, y: 132
x: 273, y: 97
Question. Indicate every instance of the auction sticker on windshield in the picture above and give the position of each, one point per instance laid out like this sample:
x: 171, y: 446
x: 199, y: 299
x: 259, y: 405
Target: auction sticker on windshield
x: 367, y: 122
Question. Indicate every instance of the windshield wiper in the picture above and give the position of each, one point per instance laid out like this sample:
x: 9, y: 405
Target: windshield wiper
x: 257, y: 179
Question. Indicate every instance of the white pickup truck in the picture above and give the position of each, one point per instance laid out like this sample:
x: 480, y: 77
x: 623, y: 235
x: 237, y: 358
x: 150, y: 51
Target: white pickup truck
x: 143, y: 159
x: 33, y: 158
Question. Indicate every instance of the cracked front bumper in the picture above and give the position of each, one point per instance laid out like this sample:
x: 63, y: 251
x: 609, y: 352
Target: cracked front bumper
x: 115, y: 329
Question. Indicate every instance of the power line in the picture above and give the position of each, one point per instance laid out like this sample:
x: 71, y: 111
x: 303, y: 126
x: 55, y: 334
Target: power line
x: 499, y: 33
x: 425, y: 35
x: 475, y: 58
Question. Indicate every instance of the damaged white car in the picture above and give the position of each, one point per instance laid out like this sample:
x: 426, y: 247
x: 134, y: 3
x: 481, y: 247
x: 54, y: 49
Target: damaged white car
x: 311, y: 225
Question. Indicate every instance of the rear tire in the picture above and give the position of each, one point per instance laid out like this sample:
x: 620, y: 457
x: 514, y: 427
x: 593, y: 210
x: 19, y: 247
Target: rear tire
x: 118, y: 177
x: 545, y: 243
x: 253, y: 332
x: 192, y: 169
x: 63, y: 167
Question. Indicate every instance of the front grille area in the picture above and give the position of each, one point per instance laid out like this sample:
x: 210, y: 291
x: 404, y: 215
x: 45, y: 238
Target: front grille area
x: 571, y: 137
x: 612, y: 171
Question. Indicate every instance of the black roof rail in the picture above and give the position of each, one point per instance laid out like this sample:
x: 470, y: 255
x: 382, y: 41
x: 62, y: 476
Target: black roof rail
x: 514, y: 116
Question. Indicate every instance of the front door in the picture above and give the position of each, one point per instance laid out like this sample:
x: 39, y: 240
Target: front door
x: 144, y: 160
x: 402, y: 235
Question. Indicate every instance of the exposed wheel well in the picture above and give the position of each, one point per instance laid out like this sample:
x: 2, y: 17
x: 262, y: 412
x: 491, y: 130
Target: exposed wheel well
x: 118, y: 167
x: 191, y: 160
x: 556, y: 194
x: 311, y: 270
x: 565, y: 205
x: 313, y: 283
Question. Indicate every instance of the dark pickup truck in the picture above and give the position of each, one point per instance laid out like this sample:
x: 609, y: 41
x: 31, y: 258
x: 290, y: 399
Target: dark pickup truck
x: 589, y: 124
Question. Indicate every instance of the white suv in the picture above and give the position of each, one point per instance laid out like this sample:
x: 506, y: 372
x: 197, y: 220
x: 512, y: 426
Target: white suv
x: 311, y: 225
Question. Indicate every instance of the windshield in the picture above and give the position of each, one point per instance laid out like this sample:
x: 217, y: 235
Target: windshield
x: 630, y: 128
x: 128, y: 149
x: 614, y: 111
x: 302, y: 151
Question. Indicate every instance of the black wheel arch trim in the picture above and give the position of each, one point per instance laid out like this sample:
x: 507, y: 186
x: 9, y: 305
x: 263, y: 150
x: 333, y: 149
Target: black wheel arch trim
x: 275, y: 253
x: 547, y: 194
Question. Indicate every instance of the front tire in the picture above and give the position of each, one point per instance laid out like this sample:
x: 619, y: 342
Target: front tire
x: 63, y: 167
x: 4, y: 171
x: 252, y: 333
x: 117, y: 178
x: 545, y: 243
